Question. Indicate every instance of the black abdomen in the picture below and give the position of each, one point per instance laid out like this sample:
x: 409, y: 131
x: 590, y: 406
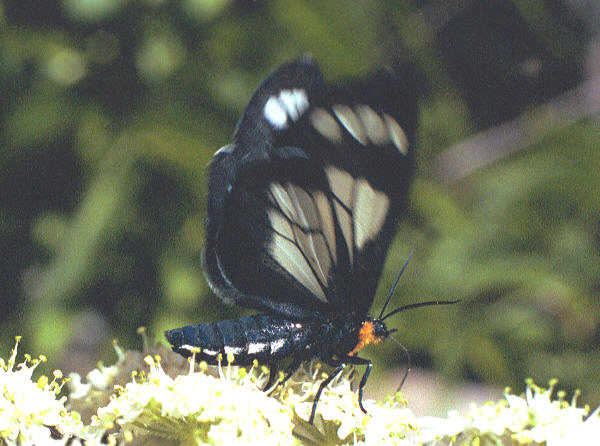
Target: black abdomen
x: 261, y: 337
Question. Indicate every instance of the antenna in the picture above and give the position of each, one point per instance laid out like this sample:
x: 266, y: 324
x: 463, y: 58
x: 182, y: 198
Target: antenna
x: 387, y: 301
x: 418, y: 305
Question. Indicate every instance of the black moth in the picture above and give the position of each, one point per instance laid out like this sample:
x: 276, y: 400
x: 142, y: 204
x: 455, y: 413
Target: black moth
x: 302, y: 208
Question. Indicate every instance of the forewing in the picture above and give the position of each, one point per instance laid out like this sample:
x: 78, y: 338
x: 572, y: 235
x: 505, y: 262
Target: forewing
x: 361, y: 134
x: 238, y: 264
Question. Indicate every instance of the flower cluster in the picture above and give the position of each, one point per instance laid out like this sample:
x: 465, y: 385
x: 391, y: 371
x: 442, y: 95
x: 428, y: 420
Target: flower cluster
x: 531, y: 419
x: 30, y: 412
x: 197, y: 408
x: 152, y: 399
x: 339, y: 419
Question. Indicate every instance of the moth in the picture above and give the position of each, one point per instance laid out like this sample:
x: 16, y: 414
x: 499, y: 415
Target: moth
x: 302, y: 208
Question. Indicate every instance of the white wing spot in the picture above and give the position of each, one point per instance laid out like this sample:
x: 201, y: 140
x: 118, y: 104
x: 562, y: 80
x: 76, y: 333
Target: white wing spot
x: 301, y: 100
x: 370, y: 210
x: 294, y: 101
x: 351, y: 122
x: 397, y: 135
x: 287, y: 99
x: 290, y: 103
x: 326, y: 125
x: 374, y: 126
x: 275, y: 113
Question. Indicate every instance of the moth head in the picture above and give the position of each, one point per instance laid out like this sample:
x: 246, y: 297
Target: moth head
x: 372, y: 331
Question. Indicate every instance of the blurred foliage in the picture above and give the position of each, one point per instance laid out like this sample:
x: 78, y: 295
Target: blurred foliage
x: 111, y: 110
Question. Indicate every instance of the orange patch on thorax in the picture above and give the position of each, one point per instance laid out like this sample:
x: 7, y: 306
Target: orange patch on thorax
x: 366, y: 336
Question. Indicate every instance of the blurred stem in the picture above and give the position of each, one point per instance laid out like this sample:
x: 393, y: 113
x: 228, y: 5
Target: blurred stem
x: 103, y: 206
x: 489, y: 146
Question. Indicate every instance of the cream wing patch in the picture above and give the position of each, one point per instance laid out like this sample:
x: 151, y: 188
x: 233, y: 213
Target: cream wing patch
x: 370, y: 209
x: 363, y: 123
x: 396, y: 133
x: 287, y: 254
x: 373, y: 124
x: 360, y: 209
x: 303, y: 242
x: 351, y: 122
x: 327, y: 223
x: 311, y: 243
x: 341, y: 184
x: 326, y: 125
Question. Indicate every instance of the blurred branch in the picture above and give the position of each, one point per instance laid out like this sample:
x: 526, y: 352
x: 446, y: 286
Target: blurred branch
x: 489, y: 146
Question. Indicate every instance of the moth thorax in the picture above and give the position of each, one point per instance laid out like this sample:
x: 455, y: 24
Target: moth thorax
x: 371, y: 332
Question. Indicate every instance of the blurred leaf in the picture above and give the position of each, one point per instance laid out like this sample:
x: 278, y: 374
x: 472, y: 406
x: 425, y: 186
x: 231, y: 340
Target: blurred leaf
x: 487, y: 360
x: 49, y: 328
x: 325, y: 29
x: 205, y: 10
x: 92, y: 10
x: 37, y: 120
x: 160, y: 54
x: 183, y: 284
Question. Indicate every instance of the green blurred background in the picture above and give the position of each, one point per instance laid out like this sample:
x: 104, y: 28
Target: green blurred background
x: 111, y: 109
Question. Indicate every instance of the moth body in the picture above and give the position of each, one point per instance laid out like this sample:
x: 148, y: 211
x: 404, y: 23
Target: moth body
x: 267, y: 339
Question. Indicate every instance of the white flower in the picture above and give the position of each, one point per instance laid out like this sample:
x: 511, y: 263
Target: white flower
x: 390, y: 423
x: 431, y: 429
x: 29, y: 411
x: 99, y: 379
x: 198, y: 407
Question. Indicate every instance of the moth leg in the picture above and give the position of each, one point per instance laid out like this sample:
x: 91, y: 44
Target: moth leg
x: 363, y: 381
x: 326, y: 381
x: 273, y: 372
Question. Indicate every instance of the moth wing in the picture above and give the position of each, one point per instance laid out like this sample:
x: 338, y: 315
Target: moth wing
x: 303, y: 207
